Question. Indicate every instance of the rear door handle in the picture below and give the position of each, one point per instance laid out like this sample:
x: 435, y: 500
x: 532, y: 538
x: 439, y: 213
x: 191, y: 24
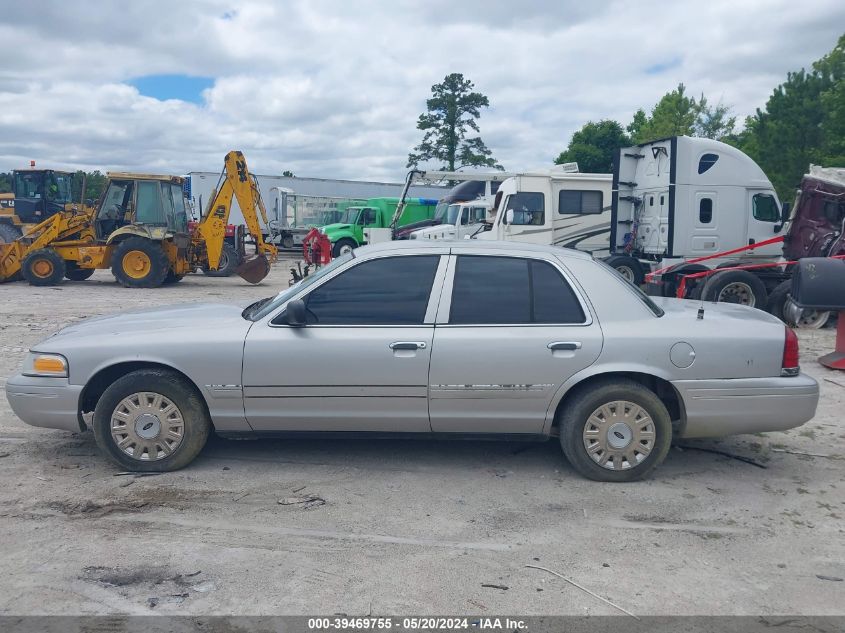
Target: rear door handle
x: 407, y: 345
x: 568, y: 346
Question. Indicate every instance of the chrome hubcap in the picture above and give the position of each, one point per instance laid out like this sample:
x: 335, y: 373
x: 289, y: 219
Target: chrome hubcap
x: 737, y: 292
x: 147, y: 426
x: 619, y: 435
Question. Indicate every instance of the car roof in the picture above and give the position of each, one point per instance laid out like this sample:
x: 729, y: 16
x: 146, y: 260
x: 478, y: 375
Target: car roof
x: 474, y: 245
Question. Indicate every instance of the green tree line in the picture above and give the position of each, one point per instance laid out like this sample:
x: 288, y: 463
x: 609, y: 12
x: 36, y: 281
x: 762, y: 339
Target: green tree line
x: 802, y: 122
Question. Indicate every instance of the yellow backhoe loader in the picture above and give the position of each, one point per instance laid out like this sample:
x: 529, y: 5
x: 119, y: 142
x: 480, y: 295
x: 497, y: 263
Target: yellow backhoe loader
x: 139, y: 229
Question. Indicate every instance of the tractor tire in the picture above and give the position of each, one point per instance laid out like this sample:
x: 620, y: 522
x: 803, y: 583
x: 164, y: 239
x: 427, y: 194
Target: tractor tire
x: 43, y: 267
x: 230, y: 259
x: 343, y: 246
x: 75, y: 273
x: 9, y: 233
x: 736, y: 286
x: 139, y: 263
x: 628, y: 268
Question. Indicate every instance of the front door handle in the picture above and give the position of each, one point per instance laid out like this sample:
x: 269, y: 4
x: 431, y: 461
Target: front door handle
x: 409, y: 345
x: 568, y: 346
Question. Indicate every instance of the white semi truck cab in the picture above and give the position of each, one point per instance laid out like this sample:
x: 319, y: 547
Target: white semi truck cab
x: 460, y: 221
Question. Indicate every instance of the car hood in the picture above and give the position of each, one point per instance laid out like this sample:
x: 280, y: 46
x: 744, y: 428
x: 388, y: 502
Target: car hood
x: 150, y: 320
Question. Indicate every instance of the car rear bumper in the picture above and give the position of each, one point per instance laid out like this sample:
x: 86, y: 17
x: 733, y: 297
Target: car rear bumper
x: 716, y: 408
x: 47, y: 402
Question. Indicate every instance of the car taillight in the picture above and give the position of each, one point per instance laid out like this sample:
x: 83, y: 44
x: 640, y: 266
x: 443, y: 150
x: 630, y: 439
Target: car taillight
x: 789, y: 366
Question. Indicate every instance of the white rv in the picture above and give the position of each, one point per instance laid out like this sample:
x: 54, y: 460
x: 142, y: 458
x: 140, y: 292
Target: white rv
x: 460, y: 220
x: 562, y: 208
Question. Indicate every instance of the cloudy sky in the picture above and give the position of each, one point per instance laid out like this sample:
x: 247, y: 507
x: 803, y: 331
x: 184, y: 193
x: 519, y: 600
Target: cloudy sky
x: 333, y: 88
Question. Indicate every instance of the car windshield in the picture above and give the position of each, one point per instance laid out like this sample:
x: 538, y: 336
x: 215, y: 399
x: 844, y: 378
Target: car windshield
x: 651, y: 305
x: 350, y: 216
x: 261, y: 308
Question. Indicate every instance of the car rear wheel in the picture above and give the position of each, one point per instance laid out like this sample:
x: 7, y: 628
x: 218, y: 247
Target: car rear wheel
x: 616, y: 430
x: 150, y: 420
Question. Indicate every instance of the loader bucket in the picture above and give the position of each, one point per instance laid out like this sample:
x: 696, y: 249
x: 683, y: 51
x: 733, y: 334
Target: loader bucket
x: 254, y: 269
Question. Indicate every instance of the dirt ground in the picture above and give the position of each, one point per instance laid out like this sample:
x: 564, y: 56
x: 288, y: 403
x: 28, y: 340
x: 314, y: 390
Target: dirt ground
x: 388, y: 527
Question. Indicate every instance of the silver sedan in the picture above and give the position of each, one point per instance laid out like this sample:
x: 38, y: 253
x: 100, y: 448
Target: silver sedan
x: 426, y: 339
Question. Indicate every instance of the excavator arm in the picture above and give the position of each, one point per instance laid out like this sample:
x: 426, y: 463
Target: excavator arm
x: 236, y: 183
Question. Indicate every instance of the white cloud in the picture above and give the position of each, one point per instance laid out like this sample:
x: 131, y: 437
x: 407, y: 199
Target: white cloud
x: 334, y: 88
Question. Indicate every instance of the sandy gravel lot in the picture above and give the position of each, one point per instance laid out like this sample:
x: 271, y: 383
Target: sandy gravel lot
x: 406, y: 527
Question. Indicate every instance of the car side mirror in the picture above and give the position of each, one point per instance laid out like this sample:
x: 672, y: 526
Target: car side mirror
x: 295, y: 312
x: 509, y: 216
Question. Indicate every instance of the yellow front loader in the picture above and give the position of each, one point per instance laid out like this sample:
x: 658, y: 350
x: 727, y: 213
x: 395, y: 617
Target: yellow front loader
x: 139, y: 229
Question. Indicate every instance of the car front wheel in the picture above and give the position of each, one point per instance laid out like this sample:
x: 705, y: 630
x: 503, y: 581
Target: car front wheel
x: 150, y: 420
x: 616, y: 430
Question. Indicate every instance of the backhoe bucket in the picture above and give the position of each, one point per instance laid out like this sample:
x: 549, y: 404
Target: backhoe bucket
x: 254, y: 269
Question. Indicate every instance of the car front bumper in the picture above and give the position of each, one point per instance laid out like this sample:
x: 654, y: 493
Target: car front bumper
x: 47, y: 402
x: 715, y: 408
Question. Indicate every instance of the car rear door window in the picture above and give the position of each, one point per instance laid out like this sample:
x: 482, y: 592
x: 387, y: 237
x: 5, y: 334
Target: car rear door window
x: 384, y: 291
x: 509, y: 290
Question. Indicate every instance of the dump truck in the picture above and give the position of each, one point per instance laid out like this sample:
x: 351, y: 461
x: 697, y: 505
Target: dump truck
x: 139, y: 229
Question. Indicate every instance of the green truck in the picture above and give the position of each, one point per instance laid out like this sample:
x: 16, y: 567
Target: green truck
x: 375, y: 213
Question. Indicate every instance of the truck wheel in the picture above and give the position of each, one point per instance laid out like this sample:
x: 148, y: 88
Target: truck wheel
x: 810, y: 319
x: 151, y: 420
x: 615, y: 430
x: 139, y: 263
x: 9, y: 233
x: 43, y: 267
x: 230, y: 259
x: 735, y: 286
x: 287, y: 241
x: 630, y: 269
x: 343, y: 246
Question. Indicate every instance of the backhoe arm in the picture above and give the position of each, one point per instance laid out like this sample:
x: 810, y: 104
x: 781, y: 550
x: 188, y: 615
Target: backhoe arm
x: 235, y: 183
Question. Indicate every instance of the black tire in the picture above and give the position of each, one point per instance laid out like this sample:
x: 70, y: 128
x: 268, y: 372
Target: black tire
x: 195, y: 428
x: 152, y: 276
x: 43, y: 267
x: 811, y: 319
x: 576, y: 415
x: 9, y: 233
x: 741, y: 285
x: 75, y: 273
x: 340, y: 245
x: 230, y: 259
x: 628, y: 267
x: 287, y: 241
x: 172, y: 278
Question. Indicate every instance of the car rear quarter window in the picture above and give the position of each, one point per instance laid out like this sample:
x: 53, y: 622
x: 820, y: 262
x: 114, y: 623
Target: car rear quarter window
x: 511, y: 290
x: 384, y: 291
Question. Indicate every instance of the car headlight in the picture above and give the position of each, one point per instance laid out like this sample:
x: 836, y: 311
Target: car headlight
x: 45, y: 365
